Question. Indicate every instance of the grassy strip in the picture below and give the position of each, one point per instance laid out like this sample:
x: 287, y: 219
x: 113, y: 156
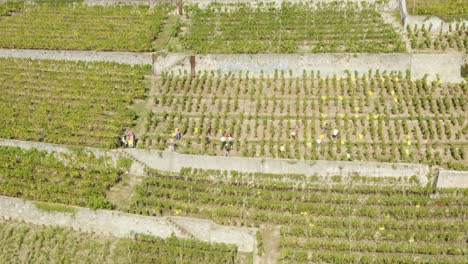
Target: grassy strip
x: 53, y: 207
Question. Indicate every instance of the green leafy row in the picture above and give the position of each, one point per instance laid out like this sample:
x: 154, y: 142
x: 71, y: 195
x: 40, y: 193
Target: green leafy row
x: 318, y: 214
x: 82, y: 27
x: 78, y: 103
x: 447, y: 9
x: 294, y: 27
x: 380, y: 116
x: 78, y: 178
x: 27, y: 243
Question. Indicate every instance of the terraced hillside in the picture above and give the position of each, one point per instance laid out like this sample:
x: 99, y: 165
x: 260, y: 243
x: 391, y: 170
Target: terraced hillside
x: 81, y: 27
x: 308, y: 27
x: 353, y: 219
x: 426, y: 39
x: 78, y: 178
x: 27, y: 243
x: 77, y: 103
x: 447, y: 9
x: 379, y: 116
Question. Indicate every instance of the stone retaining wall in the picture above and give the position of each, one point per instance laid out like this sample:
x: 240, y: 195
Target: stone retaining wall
x: 447, y: 66
x: 120, y: 224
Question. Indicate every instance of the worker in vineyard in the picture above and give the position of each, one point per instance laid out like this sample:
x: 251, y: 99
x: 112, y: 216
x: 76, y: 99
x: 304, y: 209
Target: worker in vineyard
x: 178, y: 135
x: 131, y: 141
x: 319, y: 142
x: 334, y: 133
x: 208, y: 132
x: 123, y: 141
x: 171, y: 145
x: 230, y: 141
x: 293, y: 134
x: 227, y: 134
x: 228, y: 149
x: 325, y: 128
x: 223, y: 142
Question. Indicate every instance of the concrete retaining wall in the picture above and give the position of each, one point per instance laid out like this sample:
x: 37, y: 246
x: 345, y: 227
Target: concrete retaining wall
x: 133, y: 58
x: 125, y: 225
x: 452, y: 179
x: 173, y: 162
x: 447, y: 66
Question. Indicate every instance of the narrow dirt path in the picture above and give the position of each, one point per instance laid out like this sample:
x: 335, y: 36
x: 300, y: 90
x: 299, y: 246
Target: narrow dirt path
x: 270, y: 239
x: 121, y: 194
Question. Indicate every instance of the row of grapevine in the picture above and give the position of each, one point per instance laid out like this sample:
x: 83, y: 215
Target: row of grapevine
x: 424, y: 39
x: 28, y: 243
x: 370, y: 217
x: 76, y: 103
x: 379, y: 116
x: 293, y: 27
x: 82, y: 27
x: 79, y: 178
x: 447, y: 10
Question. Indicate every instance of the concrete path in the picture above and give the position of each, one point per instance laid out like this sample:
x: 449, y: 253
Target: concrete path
x: 120, y: 224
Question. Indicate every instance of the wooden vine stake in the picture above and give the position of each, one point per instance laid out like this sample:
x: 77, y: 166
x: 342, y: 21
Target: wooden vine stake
x: 180, y: 5
x: 192, y: 66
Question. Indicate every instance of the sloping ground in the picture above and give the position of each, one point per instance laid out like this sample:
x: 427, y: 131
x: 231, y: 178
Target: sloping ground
x: 379, y: 116
x: 28, y: 243
x: 120, y: 224
x: 449, y: 10
x: 80, y: 103
x: 82, y: 27
x: 342, y: 219
x: 294, y: 27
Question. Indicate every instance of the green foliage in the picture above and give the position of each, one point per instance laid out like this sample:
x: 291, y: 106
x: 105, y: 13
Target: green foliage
x: 78, y: 178
x: 424, y: 37
x: 124, y: 164
x: 77, y: 103
x: 53, y: 207
x: 447, y: 9
x: 22, y: 243
x: 9, y: 8
x: 294, y: 27
x: 380, y: 116
x: 464, y: 71
x: 82, y: 27
x: 147, y: 249
x: 320, y: 218
x: 28, y: 243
